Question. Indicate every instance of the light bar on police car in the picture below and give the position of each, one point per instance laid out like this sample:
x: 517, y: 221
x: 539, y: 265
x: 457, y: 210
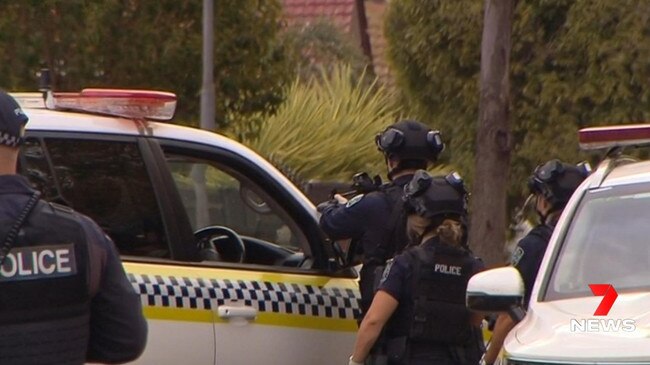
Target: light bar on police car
x: 137, y: 104
x: 614, y: 136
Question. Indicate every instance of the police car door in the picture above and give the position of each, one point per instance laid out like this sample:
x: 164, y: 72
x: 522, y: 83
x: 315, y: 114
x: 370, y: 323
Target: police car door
x: 273, y: 300
x: 109, y: 178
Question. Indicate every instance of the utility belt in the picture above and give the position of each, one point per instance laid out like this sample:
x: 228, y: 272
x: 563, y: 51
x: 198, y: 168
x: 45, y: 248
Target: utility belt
x: 440, y: 322
x: 398, y: 350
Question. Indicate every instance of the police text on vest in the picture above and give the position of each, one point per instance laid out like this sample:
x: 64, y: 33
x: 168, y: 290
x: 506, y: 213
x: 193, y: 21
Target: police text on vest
x: 39, y: 262
x: 447, y: 269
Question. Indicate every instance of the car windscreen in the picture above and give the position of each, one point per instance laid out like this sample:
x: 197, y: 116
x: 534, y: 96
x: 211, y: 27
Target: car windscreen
x: 607, y: 242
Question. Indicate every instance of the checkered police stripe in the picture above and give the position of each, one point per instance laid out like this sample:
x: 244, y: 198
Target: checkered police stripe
x: 7, y: 139
x: 308, y: 300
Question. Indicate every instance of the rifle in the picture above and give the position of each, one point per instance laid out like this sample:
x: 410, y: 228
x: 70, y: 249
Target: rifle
x: 362, y: 183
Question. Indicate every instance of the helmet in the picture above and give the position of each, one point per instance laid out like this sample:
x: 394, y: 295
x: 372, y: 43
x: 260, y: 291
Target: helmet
x: 436, y: 197
x: 410, y: 140
x: 12, y: 121
x: 556, y: 181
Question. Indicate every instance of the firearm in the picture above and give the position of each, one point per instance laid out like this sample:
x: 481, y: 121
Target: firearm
x: 362, y: 183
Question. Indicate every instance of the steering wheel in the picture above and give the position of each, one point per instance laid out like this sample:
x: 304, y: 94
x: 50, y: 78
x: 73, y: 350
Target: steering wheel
x: 218, y: 243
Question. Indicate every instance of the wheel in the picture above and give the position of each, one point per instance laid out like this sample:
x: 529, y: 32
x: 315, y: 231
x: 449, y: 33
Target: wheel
x: 218, y: 243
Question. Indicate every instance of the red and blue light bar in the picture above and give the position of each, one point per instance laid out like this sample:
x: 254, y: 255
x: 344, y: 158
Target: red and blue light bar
x: 134, y: 104
x: 614, y: 136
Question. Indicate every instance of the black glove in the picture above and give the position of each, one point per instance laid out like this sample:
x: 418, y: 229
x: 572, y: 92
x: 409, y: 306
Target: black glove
x: 322, y: 206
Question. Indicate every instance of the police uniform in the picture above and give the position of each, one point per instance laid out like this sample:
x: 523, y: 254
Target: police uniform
x: 554, y: 181
x: 64, y: 296
x: 527, y: 256
x: 431, y: 323
x: 374, y: 223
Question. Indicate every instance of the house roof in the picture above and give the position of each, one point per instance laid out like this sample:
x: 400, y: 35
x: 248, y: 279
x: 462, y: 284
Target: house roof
x: 340, y: 12
x: 368, y: 15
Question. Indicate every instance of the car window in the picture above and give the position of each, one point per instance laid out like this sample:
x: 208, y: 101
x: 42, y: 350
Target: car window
x: 233, y: 201
x: 607, y: 243
x: 106, y: 180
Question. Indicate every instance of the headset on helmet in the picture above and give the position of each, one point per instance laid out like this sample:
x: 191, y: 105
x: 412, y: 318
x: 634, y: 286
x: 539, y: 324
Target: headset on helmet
x: 409, y: 139
x: 556, y: 181
x: 430, y: 196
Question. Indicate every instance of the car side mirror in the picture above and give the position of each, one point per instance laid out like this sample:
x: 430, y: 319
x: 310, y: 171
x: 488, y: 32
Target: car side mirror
x: 496, y: 290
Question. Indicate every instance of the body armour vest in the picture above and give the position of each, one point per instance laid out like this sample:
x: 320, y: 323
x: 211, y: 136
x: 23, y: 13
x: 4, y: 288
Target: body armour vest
x: 44, y: 293
x: 437, y: 313
x: 397, y: 221
x: 396, y: 239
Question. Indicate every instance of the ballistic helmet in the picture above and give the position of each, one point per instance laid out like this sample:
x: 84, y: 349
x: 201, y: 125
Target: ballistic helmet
x: 436, y: 197
x: 12, y: 121
x: 410, y: 140
x: 556, y: 181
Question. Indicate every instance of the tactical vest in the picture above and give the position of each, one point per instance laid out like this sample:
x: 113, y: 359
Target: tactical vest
x: 437, y: 314
x: 398, y: 238
x: 44, y: 293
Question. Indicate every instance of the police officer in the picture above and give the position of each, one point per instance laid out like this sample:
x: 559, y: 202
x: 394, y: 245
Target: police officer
x: 421, y: 297
x: 64, y: 296
x: 375, y: 221
x: 551, y: 184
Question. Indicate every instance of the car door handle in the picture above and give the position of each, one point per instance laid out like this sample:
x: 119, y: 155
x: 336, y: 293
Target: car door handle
x: 232, y: 312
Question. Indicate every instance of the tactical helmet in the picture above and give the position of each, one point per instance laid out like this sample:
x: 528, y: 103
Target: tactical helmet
x: 436, y: 196
x: 410, y: 140
x: 12, y: 121
x: 556, y: 181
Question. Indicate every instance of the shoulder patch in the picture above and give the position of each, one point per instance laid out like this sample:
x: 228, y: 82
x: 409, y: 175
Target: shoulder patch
x: 516, y: 256
x: 384, y: 275
x: 353, y: 201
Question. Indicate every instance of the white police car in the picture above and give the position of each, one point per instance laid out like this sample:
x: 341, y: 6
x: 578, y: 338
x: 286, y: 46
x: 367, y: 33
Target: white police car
x: 225, y: 251
x: 591, y: 301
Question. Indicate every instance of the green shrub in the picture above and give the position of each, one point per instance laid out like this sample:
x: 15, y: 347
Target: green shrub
x: 325, y: 128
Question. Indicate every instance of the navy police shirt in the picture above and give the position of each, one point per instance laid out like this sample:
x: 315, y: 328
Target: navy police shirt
x: 363, y: 218
x: 528, y: 255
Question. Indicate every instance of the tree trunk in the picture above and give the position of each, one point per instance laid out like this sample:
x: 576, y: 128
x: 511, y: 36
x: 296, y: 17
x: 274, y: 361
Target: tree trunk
x: 488, y: 221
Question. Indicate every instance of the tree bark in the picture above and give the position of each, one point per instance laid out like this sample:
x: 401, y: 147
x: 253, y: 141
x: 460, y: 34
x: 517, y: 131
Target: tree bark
x: 493, y: 141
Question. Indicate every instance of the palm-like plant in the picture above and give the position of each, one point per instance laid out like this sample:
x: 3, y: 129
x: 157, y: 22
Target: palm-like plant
x: 325, y: 128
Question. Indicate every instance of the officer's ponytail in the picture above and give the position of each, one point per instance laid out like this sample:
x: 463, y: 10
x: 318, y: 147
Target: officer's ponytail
x: 448, y: 229
x: 450, y: 232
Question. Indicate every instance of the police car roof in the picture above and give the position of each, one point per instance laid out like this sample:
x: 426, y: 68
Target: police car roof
x: 630, y: 173
x: 43, y: 119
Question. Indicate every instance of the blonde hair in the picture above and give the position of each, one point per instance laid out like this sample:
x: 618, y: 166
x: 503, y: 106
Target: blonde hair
x: 450, y: 232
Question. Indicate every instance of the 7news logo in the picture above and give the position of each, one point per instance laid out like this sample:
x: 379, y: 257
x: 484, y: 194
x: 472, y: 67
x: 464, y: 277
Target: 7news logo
x: 609, y: 295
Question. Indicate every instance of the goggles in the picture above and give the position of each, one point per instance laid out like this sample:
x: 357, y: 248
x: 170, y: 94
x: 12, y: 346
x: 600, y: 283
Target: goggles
x: 418, y: 185
x: 422, y: 181
x: 418, y: 201
x: 456, y: 181
x: 551, y: 171
x: 392, y: 139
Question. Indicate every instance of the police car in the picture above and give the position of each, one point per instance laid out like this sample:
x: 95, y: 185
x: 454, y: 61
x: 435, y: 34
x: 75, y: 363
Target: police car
x: 224, y: 250
x: 591, y: 301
